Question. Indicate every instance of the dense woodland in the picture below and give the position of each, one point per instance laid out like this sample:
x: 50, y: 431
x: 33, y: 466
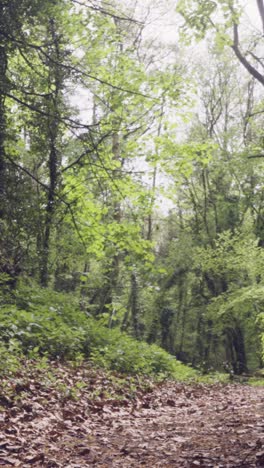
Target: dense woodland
x: 131, y: 180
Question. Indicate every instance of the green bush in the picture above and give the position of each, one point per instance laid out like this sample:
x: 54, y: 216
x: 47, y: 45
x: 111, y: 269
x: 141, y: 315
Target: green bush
x: 51, y: 324
x: 10, y: 354
x: 128, y: 355
x: 43, y: 329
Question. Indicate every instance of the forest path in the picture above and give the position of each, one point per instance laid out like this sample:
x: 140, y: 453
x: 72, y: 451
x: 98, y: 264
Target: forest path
x: 185, y: 426
x: 170, y: 425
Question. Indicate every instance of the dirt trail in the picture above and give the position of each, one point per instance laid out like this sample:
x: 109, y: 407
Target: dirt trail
x: 171, y: 425
x: 187, y: 427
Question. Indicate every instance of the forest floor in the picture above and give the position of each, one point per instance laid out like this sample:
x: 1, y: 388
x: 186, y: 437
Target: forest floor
x: 81, y: 417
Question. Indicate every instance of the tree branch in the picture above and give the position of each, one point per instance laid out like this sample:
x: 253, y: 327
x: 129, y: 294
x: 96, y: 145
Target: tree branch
x: 261, y: 12
x: 256, y: 58
x: 46, y: 187
x: 105, y: 12
x: 65, y: 120
x: 85, y: 153
x: 242, y: 59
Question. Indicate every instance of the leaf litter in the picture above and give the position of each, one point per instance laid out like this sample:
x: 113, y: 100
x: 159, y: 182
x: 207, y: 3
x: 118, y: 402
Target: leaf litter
x: 62, y: 416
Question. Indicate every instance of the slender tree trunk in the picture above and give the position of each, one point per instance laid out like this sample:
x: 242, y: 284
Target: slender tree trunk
x: 199, y: 342
x: 134, y: 305
x: 56, y: 78
x: 208, y: 341
x: 50, y: 209
x: 3, y: 69
x: 150, y: 220
x: 154, y: 182
x: 112, y: 272
x: 205, y: 210
x: 4, y: 265
x: 239, y: 346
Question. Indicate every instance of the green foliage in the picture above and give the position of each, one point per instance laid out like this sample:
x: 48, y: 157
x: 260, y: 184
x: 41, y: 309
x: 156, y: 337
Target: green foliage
x: 124, y: 354
x: 256, y: 382
x: 41, y: 329
x: 214, y: 377
x: 209, y: 15
x: 235, y: 255
x: 51, y: 325
x: 10, y: 354
x: 180, y: 159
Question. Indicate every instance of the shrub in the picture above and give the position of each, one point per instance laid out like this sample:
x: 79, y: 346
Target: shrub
x: 51, y: 324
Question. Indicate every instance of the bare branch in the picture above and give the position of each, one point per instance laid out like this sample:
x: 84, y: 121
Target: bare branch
x: 253, y: 71
x: 104, y: 11
x: 256, y: 58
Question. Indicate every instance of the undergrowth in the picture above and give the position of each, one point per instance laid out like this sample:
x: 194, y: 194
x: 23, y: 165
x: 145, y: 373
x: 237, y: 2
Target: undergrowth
x: 41, y: 322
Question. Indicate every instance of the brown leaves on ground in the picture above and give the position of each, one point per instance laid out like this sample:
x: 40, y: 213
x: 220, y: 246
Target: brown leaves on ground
x: 75, y: 418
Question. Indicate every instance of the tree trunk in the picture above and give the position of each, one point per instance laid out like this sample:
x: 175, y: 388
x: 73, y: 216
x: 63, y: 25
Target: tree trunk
x: 239, y: 346
x: 236, y: 352
x: 3, y: 69
x: 154, y: 182
x: 134, y: 306
x: 56, y: 78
